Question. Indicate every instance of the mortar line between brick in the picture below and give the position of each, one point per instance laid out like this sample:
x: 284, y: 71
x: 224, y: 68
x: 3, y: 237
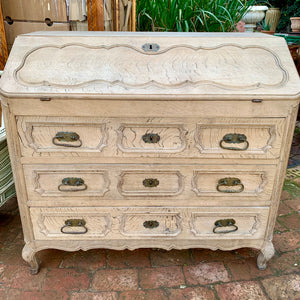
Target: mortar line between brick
x: 263, y: 289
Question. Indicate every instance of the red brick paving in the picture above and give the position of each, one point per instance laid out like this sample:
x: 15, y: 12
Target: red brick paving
x: 149, y: 274
x: 115, y: 280
x: 248, y: 290
x: 125, y: 259
x: 152, y: 278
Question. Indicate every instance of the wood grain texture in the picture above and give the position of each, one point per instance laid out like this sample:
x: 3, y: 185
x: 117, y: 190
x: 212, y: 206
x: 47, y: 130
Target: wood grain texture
x: 113, y: 111
x: 192, y: 63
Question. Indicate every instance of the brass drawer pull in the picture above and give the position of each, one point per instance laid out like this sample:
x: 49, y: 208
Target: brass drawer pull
x: 72, y: 181
x: 74, y: 223
x: 151, y: 224
x: 234, y: 138
x: 151, y: 138
x: 230, y: 182
x: 70, y: 137
x: 225, y: 223
x: 150, y: 182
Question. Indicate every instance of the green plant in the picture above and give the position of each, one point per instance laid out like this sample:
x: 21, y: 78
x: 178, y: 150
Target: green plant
x: 289, y: 8
x: 265, y: 25
x: 190, y: 15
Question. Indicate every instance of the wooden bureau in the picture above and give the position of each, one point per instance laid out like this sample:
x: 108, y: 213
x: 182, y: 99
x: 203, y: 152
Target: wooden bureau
x: 139, y: 140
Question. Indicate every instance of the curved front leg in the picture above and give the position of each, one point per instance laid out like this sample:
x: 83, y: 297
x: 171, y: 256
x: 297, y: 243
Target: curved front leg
x: 28, y: 254
x: 266, y: 254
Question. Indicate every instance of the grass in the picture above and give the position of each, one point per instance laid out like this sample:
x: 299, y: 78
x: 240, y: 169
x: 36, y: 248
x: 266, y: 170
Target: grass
x: 190, y: 15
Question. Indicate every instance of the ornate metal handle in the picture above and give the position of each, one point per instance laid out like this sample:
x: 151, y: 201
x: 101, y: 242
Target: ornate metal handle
x: 234, y: 138
x: 70, y: 137
x: 230, y: 182
x: 150, y: 182
x: 74, y: 223
x: 72, y: 181
x: 151, y: 138
x: 151, y: 224
x: 225, y: 223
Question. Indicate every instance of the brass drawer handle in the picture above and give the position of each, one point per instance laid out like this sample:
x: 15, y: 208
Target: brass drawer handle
x: 151, y: 224
x: 74, y: 223
x: 150, y: 182
x: 230, y: 182
x: 234, y: 138
x: 225, y: 223
x: 151, y: 138
x: 70, y: 137
x: 72, y: 181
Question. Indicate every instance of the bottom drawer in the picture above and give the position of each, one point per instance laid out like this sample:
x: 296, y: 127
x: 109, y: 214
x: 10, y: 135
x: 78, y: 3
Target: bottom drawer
x: 79, y: 223
x: 69, y: 223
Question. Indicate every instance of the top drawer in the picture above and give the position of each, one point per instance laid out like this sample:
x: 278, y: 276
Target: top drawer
x: 151, y: 137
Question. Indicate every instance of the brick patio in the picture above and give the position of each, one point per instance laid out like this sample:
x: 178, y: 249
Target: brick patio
x: 154, y: 274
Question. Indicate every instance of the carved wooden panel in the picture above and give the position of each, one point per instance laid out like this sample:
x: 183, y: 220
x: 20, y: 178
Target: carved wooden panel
x: 48, y: 223
x: 233, y: 182
x: 150, y: 224
x: 249, y: 222
x: 259, y: 137
x: 60, y: 181
x: 170, y: 67
x: 152, y: 138
x: 42, y: 135
x: 150, y: 183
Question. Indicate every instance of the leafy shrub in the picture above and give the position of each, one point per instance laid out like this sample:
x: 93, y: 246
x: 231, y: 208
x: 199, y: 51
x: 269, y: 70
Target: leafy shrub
x: 289, y: 8
x: 190, y: 15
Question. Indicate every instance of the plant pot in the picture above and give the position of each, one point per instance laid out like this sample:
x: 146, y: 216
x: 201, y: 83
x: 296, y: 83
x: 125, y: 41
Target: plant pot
x: 254, y: 15
x: 273, y: 17
x: 295, y: 24
x: 268, y: 31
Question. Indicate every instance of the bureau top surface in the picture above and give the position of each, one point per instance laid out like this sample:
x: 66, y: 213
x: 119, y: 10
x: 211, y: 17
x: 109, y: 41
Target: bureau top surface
x: 150, y: 66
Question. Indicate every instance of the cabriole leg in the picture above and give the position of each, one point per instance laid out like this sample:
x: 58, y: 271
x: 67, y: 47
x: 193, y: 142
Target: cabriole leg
x: 266, y: 254
x: 29, y: 256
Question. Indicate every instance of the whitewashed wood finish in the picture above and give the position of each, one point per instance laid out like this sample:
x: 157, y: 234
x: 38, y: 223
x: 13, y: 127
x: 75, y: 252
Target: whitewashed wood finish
x: 208, y: 58
x: 191, y: 109
x: 123, y: 223
x: 115, y: 184
x: 179, y: 137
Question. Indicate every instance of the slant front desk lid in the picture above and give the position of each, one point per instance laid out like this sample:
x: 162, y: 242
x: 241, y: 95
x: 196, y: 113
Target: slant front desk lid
x: 150, y: 66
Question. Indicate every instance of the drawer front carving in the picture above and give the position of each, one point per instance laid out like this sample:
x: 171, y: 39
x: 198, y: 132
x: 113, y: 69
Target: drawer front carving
x: 60, y: 135
x: 66, y: 181
x: 233, y: 182
x: 240, y: 137
x: 150, y: 183
x: 151, y: 138
x: 230, y: 223
x: 150, y: 224
x: 69, y: 223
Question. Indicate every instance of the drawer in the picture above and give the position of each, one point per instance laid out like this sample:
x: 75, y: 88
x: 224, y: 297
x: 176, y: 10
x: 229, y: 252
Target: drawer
x: 70, y: 223
x: 150, y: 224
x: 194, y: 223
x: 66, y: 181
x: 152, y: 137
x: 229, y: 222
x: 244, y: 138
x: 61, y: 135
x: 137, y: 183
x: 129, y: 184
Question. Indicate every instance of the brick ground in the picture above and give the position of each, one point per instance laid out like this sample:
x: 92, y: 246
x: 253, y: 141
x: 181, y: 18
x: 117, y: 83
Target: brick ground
x: 152, y: 274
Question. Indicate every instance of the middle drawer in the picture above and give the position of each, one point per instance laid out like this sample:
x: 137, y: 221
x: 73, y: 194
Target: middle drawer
x: 87, y: 184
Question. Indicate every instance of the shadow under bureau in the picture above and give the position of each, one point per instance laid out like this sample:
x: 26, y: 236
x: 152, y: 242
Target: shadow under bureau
x: 132, y: 140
